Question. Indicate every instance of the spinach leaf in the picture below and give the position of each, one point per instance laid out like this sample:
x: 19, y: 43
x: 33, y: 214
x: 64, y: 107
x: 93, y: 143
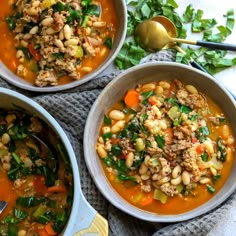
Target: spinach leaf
x: 116, y: 150
x: 108, y: 42
x: 107, y: 120
x: 11, y: 20
x: 30, y: 201
x: 124, y: 177
x: 12, y: 229
x: 222, y: 149
x: 59, y: 7
x: 160, y: 141
x: 20, y: 214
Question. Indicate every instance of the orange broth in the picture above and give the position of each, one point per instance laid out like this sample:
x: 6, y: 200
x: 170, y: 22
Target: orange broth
x: 8, y: 51
x: 175, y: 205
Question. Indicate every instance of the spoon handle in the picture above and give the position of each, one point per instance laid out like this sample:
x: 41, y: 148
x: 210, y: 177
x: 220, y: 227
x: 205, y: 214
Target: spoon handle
x: 198, y: 66
x: 223, y: 46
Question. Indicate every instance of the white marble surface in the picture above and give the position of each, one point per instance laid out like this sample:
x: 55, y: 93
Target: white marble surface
x: 215, y: 9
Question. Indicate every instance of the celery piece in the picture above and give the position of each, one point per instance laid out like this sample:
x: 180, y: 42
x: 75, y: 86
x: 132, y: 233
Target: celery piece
x: 139, y: 145
x: 180, y: 187
x: 159, y: 195
x: 174, y: 113
x: 79, y: 52
x: 41, y: 209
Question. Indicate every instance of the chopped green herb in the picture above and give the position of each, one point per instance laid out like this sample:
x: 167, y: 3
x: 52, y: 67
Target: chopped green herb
x: 210, y: 189
x: 216, y: 177
x: 107, y: 120
x: 108, y: 43
x: 160, y: 141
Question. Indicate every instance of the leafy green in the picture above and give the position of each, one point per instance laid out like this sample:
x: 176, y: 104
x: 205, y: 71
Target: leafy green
x: 107, y: 120
x: 108, y: 42
x: 210, y: 189
x: 222, y: 149
x: 131, y: 53
x: 160, y: 141
x: 116, y: 150
x: 30, y: 201
x: 11, y: 20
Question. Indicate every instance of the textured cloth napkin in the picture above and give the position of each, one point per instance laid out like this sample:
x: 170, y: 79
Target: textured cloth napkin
x: 70, y: 108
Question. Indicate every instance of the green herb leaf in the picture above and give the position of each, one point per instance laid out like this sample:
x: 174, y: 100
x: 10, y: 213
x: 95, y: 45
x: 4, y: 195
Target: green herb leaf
x: 160, y: 141
x: 107, y: 120
x: 210, y: 189
x: 108, y: 43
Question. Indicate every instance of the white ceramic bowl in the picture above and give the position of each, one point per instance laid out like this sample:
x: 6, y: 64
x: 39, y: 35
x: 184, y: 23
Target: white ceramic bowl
x: 121, y: 13
x: 82, y: 216
x: 114, y: 91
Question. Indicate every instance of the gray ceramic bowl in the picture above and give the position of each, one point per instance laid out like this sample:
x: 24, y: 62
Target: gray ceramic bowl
x: 83, y: 217
x: 114, y: 91
x: 121, y: 12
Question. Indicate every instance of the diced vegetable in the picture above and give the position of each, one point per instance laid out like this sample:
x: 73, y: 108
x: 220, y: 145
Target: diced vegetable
x: 131, y: 98
x: 47, y: 3
x: 79, y: 52
x: 159, y: 195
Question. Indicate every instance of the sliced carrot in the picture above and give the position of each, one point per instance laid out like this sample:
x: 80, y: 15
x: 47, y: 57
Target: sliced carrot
x: 57, y: 189
x: 131, y: 98
x: 147, y: 200
x: 200, y: 148
x: 49, y: 229
x: 152, y: 100
x: 42, y: 232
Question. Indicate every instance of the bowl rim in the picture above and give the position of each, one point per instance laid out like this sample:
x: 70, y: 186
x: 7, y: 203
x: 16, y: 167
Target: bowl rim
x: 101, y: 180
x: 17, y: 81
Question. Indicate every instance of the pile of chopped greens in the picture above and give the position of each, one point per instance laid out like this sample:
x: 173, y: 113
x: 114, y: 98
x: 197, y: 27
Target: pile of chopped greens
x: 213, y: 61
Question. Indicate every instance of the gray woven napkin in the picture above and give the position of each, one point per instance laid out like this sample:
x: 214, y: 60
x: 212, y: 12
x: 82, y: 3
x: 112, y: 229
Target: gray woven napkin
x: 70, y: 108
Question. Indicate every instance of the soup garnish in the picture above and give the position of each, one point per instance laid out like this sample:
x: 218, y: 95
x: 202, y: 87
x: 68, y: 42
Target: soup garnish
x: 166, y: 147
x: 36, y: 183
x: 57, y: 39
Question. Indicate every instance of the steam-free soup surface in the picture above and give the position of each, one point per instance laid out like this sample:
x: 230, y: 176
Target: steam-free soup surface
x: 37, y: 184
x: 51, y: 42
x: 165, y: 147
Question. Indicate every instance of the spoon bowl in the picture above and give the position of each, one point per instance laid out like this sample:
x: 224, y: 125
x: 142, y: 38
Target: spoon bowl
x: 159, y: 32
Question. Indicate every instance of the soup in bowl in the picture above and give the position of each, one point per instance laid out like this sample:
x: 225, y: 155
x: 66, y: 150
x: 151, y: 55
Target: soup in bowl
x: 165, y: 144
x: 39, y: 175
x: 54, y: 45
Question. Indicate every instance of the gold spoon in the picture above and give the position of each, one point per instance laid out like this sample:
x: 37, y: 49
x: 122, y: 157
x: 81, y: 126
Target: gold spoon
x: 153, y: 35
x: 172, y: 32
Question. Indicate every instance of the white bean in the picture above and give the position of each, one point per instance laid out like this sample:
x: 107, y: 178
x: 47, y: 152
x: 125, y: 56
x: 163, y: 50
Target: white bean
x: 106, y: 129
x: 143, y: 169
x: 116, y: 115
x: 148, y: 87
x: 186, y: 178
x: 101, y: 151
x: 50, y: 31
x: 176, y: 181
x: 34, y: 30
x: 99, y: 24
x: 209, y: 146
x: 47, y: 21
x: 164, y: 84
x: 59, y: 43
x: 5, y: 138
x: 129, y: 159
x: 27, y: 36
x: 176, y: 171
x: 71, y: 42
x: 205, y: 181
x: 159, y: 90
x: 118, y: 126
x: 191, y: 89
x: 67, y: 32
